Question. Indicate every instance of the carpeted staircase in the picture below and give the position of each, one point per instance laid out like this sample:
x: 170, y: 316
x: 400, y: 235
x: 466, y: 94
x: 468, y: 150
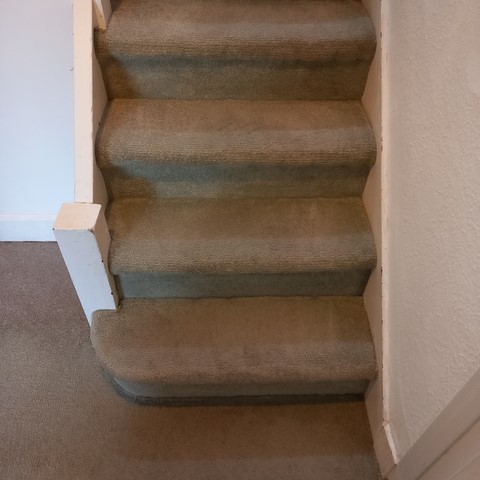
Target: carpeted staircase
x: 235, y: 151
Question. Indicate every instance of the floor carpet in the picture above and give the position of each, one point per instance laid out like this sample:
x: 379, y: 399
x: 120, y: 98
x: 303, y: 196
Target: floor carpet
x: 61, y: 419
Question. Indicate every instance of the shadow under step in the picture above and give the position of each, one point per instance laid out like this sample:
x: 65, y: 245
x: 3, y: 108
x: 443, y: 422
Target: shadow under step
x: 269, y: 49
x: 168, y: 148
x: 243, y: 247
x: 237, y: 347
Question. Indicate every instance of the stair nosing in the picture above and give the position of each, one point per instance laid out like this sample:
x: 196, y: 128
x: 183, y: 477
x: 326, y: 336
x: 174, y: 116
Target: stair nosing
x: 187, y: 236
x: 351, y: 358
x: 182, y: 35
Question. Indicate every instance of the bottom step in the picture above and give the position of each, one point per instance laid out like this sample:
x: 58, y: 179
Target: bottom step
x: 329, y: 441
x: 237, y: 347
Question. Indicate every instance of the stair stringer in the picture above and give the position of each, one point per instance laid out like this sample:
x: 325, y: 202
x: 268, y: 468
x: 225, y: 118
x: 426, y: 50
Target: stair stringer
x: 374, y: 199
x: 80, y: 228
x: 84, y: 240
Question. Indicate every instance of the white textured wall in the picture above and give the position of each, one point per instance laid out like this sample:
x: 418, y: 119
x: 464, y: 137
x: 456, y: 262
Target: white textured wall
x: 36, y: 116
x: 432, y: 151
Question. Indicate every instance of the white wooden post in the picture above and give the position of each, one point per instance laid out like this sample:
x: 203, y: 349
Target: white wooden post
x: 82, y: 235
x: 90, y: 102
x: 80, y: 228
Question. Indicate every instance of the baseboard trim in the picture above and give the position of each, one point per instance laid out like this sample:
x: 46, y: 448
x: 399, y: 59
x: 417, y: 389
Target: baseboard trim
x: 461, y: 461
x: 383, y: 450
x: 456, y: 419
x: 25, y: 227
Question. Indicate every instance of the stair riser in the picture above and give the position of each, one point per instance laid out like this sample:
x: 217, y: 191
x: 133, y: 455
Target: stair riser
x: 155, y: 285
x: 217, y: 182
x: 209, y: 78
x: 215, y: 392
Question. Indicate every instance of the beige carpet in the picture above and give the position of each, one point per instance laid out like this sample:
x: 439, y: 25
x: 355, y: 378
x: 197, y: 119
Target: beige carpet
x: 212, y: 347
x: 234, y: 148
x: 262, y: 50
x: 60, y: 418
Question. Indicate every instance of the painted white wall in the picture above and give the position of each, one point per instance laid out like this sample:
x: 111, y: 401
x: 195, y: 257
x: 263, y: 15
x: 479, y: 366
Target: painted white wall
x: 36, y: 116
x: 432, y: 153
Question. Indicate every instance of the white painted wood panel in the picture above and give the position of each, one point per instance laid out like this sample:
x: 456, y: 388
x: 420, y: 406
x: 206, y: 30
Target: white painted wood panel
x: 459, y: 461
x: 90, y: 102
x: 442, y: 441
x: 470, y: 472
x: 374, y: 298
x: 82, y: 235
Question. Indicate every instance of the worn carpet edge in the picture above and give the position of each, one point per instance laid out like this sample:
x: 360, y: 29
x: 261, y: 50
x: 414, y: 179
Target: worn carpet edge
x: 236, y: 345
x: 229, y: 401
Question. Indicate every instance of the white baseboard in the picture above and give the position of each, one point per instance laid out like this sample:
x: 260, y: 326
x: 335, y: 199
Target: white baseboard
x: 440, y: 438
x: 382, y: 444
x: 461, y: 461
x: 24, y: 227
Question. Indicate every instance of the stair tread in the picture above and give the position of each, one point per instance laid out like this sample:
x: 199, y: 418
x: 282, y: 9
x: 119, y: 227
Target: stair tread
x: 225, y: 236
x: 235, y: 132
x: 303, y: 30
x: 242, y: 341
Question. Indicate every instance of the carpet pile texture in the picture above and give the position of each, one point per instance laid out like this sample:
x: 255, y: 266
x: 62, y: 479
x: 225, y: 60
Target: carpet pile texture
x: 60, y: 418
